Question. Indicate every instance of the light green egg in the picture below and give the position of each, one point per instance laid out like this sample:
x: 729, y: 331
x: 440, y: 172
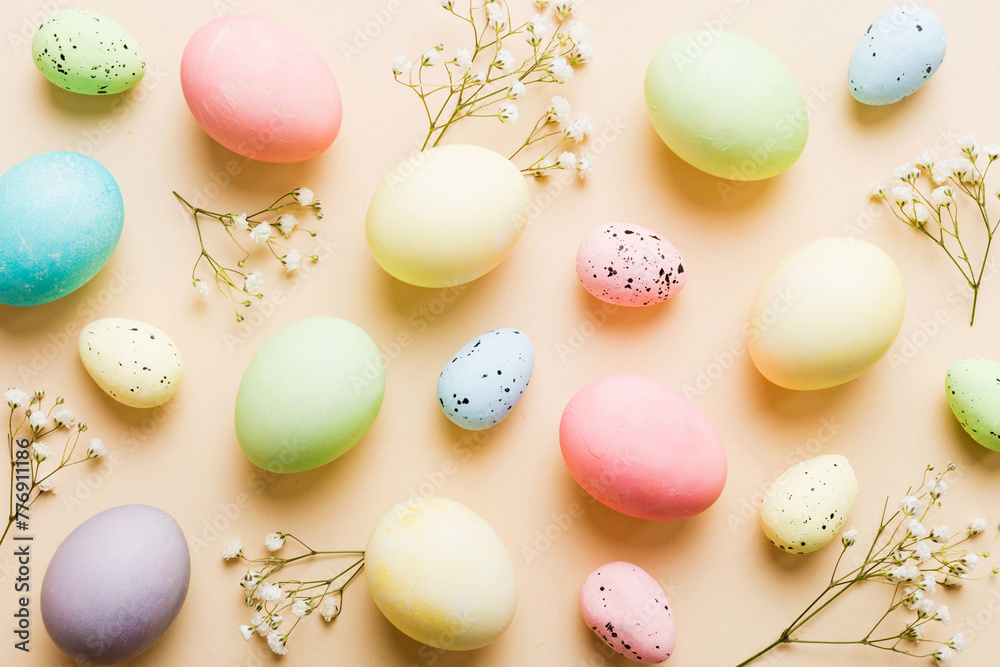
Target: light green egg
x: 85, y: 52
x: 726, y: 105
x: 310, y: 393
x: 973, y: 387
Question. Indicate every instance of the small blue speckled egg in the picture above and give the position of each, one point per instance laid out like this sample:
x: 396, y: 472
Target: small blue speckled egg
x: 484, y: 381
x: 61, y: 216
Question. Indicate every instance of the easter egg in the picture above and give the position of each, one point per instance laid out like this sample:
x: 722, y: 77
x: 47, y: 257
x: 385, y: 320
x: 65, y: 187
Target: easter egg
x: 899, y: 52
x: 133, y: 362
x: 309, y: 394
x: 629, y: 611
x: 825, y: 314
x: 61, y: 216
x: 447, y: 215
x: 642, y: 448
x: 629, y: 265
x: 441, y: 575
x: 973, y: 389
x: 87, y: 53
x: 807, y: 505
x: 485, y: 380
x: 115, y: 584
x: 260, y: 89
x: 726, y: 105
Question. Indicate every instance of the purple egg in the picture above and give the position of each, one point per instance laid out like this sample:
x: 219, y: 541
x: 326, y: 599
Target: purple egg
x: 116, y: 584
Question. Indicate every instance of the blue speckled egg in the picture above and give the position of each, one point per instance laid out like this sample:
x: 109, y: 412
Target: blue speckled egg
x: 484, y: 381
x: 61, y: 216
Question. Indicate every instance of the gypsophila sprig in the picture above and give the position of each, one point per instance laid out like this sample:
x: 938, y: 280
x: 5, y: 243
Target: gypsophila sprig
x: 279, y: 604
x: 34, y: 461
x: 912, y: 557
x: 483, y: 79
x: 932, y: 209
x: 272, y: 227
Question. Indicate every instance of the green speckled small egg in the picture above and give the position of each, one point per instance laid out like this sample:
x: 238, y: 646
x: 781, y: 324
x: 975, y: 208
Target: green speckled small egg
x: 973, y: 387
x: 87, y: 53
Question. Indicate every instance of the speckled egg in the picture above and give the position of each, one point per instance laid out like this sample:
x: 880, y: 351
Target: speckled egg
x: 629, y: 265
x: 898, y: 54
x: 87, y: 53
x: 441, y: 575
x: 629, y: 611
x: 642, y: 448
x: 60, y: 220
x: 260, y: 89
x: 485, y: 380
x: 807, y: 505
x: 133, y: 362
x: 115, y: 584
x: 973, y: 388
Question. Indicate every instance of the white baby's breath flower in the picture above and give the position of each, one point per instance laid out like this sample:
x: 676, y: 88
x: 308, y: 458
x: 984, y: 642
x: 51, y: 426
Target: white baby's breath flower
x: 253, y: 283
x: 16, y: 398
x: 581, y: 54
x: 914, y: 633
x: 926, y: 608
x: 479, y: 78
x: 246, y: 631
x: 431, y: 56
x: 39, y: 451
x: 507, y: 113
x: 940, y: 534
x: 992, y: 151
x: 943, y: 656
x: 261, y: 232
x: 559, y: 110
x: 953, y: 581
x: 584, y: 166
x: 925, y: 160
x: 912, y: 597
x: 902, y: 194
x: 286, y: 223
x: 240, y: 222
x: 936, y: 488
x: 579, y: 128
x: 448, y: 4
x: 916, y: 530
x: 517, y: 89
x: 463, y: 58
x: 921, y: 213
x: 292, y: 261
x: 904, y: 171
x: 942, y: 196
x: 539, y: 24
x: 232, y: 550
x: 38, y: 420
x: 300, y: 608
x: 966, y: 142
x: 495, y: 16
x: 259, y: 624
x: 566, y: 160
x: 960, y: 166
x: 276, y: 643
x: 977, y: 526
x: 272, y: 593
x: 504, y: 60
x: 330, y: 607
x: 96, y: 448
x: 274, y: 541
x: 62, y: 415
x: 940, y: 173
x: 921, y: 552
x: 560, y: 69
x: 303, y: 196
x: 47, y: 485
x: 542, y: 4
x: 401, y: 65
x: 564, y: 8
x: 201, y: 287
x: 942, y: 614
x: 970, y: 561
x: 577, y: 31
x: 957, y: 642
x: 928, y: 583
x: 849, y: 537
x: 904, y: 573
x: 878, y: 189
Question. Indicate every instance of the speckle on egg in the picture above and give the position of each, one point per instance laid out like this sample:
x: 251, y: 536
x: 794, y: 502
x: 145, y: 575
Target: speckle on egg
x: 973, y: 390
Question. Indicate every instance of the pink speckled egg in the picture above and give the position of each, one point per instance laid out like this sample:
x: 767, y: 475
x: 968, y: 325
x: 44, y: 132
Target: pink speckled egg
x: 260, y: 89
x: 642, y: 448
x: 629, y: 611
x: 629, y: 265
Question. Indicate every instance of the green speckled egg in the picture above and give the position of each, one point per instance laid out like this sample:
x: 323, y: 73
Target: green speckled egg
x: 973, y: 387
x: 87, y: 53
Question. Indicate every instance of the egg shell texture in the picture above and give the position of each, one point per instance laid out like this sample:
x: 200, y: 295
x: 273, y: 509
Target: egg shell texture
x: 900, y: 51
x: 441, y: 575
x: 484, y: 381
x: 260, y: 89
x: 133, y: 362
x: 629, y: 265
x: 807, y: 505
x: 115, y: 584
x: 629, y: 611
x: 61, y: 215
x: 642, y: 448
x: 85, y: 52
x: 973, y: 389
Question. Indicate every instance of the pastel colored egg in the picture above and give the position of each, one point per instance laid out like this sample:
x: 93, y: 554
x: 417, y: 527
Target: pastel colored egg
x: 973, y: 389
x: 115, y: 584
x: 825, y: 314
x: 85, y: 52
x: 441, y: 575
x: 629, y: 611
x: 309, y: 394
x: 898, y: 54
x: 629, y: 265
x: 133, y: 362
x: 806, y: 506
x: 726, y: 105
x: 60, y: 220
x: 485, y: 380
x: 260, y: 89
x: 642, y: 448
x: 447, y: 215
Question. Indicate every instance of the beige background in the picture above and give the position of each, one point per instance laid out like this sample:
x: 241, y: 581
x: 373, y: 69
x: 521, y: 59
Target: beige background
x: 732, y: 591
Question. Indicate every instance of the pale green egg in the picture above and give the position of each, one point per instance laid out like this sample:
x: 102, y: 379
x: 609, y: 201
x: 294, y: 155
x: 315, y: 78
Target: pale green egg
x: 726, y: 105
x: 973, y: 387
x: 85, y: 52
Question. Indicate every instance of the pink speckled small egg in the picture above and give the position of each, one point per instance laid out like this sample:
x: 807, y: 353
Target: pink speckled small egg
x: 629, y: 611
x: 629, y: 265
x: 642, y: 448
x: 260, y: 89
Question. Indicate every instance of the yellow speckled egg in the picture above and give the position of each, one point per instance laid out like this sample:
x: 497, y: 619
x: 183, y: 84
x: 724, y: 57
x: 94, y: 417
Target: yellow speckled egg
x: 447, y: 215
x: 440, y: 574
x: 826, y: 314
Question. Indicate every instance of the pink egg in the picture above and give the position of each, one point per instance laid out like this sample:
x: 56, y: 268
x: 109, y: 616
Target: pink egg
x: 629, y: 265
x: 629, y: 611
x: 641, y: 448
x: 260, y: 89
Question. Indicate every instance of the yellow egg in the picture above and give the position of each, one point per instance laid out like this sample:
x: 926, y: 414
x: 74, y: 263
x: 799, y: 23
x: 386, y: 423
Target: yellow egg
x: 447, y: 215
x: 826, y: 314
